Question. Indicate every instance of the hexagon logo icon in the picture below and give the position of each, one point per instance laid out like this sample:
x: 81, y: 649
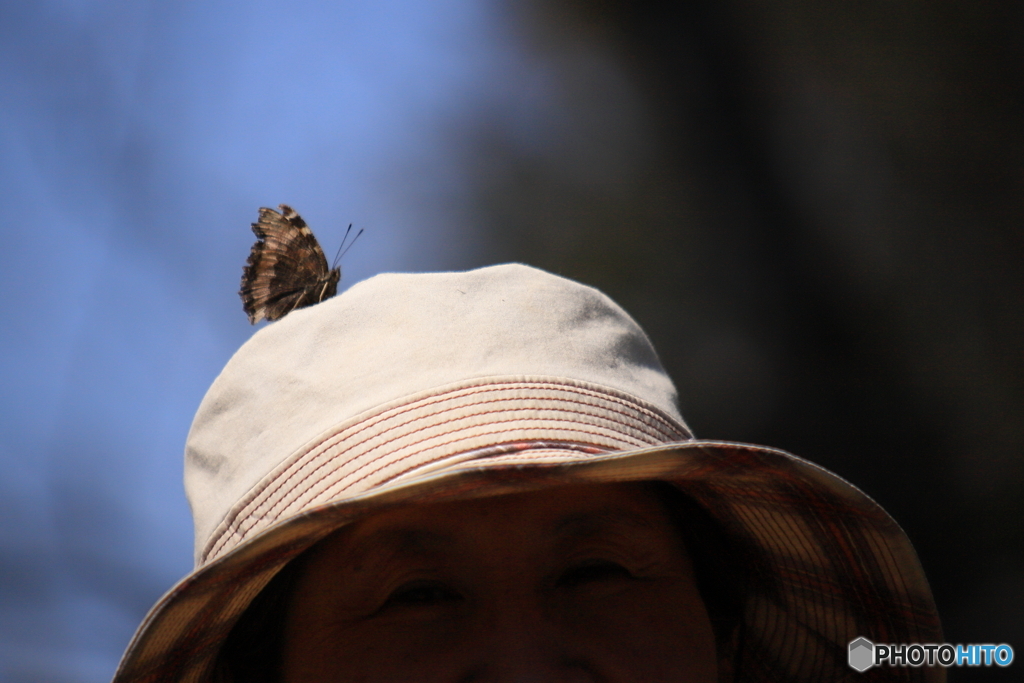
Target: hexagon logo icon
x: 862, y: 654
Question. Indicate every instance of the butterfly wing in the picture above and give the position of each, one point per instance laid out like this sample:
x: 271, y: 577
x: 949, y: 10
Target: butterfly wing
x: 286, y: 269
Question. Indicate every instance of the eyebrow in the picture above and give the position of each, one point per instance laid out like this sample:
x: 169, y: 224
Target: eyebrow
x: 398, y: 541
x: 594, y: 522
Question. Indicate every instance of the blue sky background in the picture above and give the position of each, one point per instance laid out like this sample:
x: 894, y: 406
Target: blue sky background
x: 137, y: 140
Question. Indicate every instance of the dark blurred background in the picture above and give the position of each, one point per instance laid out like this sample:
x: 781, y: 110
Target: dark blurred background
x: 814, y: 209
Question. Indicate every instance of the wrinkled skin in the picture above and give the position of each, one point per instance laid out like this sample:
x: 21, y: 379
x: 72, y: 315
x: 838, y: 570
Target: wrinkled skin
x: 583, y: 583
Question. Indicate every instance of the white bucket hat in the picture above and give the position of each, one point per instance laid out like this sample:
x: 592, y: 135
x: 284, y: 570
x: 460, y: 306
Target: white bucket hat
x: 411, y: 388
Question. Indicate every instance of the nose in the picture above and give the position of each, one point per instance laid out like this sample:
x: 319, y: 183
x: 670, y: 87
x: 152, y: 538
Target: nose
x: 520, y: 643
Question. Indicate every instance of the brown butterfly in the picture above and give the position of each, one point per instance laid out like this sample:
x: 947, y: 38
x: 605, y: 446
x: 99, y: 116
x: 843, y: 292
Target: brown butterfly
x: 287, y: 268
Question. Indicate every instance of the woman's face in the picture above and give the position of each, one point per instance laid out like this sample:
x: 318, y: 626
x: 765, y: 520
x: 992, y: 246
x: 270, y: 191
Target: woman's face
x: 583, y: 583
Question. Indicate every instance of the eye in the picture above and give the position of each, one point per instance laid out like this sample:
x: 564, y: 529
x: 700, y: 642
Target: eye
x: 590, y: 571
x: 417, y: 593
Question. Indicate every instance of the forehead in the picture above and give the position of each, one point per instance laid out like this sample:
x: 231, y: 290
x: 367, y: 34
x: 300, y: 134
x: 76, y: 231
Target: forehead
x: 549, y: 516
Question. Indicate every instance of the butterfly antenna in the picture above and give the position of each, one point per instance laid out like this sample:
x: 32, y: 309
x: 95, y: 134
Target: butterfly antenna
x: 341, y: 253
x: 337, y: 254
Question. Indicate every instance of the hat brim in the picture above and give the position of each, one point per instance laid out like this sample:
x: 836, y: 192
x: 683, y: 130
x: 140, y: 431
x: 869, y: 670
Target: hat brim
x: 832, y: 565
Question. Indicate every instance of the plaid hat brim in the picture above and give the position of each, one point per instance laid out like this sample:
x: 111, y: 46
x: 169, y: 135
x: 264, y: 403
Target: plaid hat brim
x: 830, y: 564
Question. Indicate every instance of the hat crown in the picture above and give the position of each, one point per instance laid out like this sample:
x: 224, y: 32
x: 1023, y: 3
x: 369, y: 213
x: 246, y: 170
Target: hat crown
x: 392, y: 336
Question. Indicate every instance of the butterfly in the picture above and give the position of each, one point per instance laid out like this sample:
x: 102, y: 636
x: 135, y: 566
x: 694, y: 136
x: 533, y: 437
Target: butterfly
x: 287, y: 268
